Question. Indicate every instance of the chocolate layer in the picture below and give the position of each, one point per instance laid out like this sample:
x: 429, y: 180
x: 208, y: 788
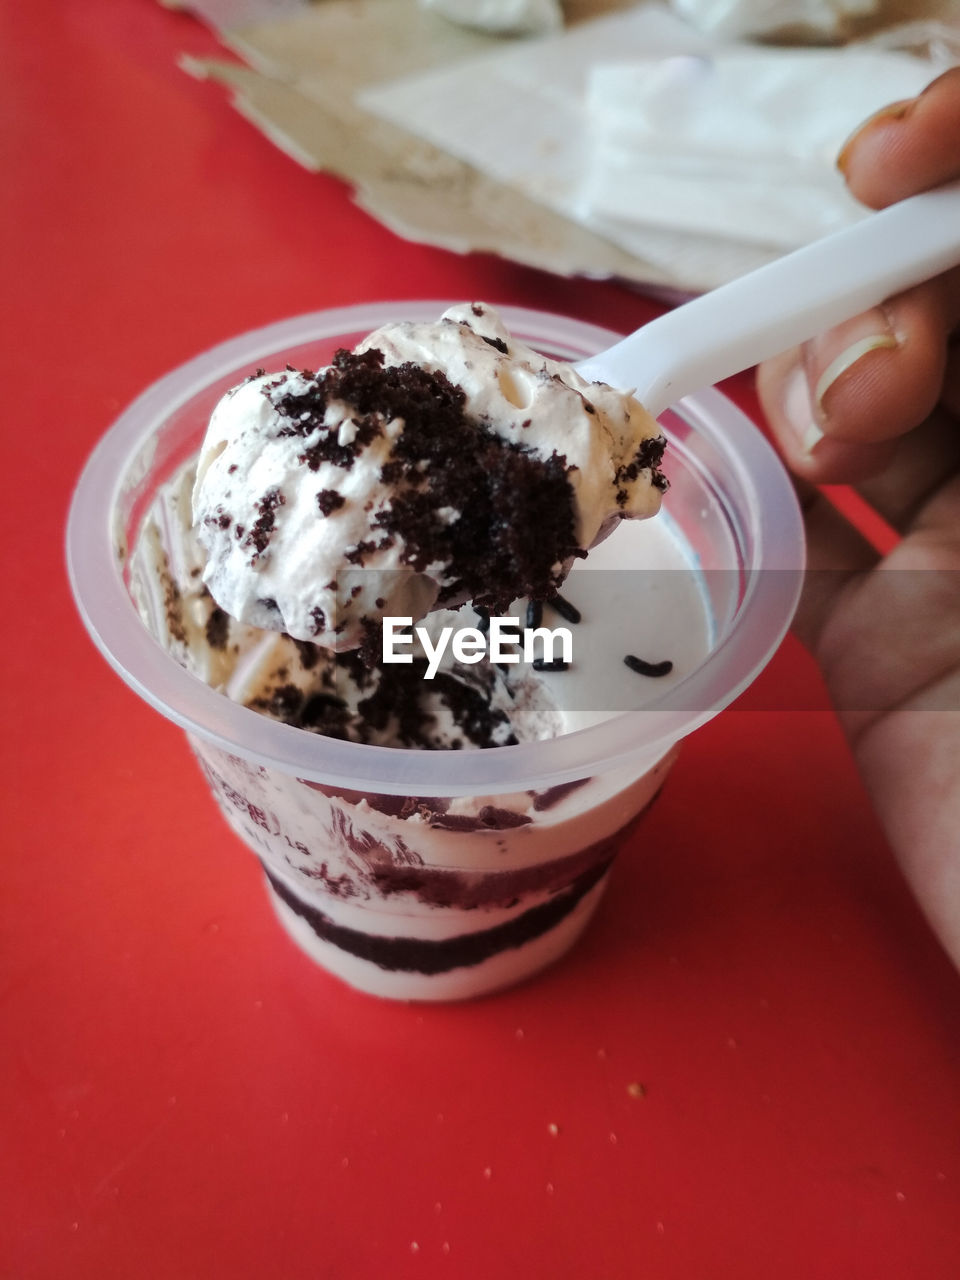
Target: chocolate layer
x: 431, y: 956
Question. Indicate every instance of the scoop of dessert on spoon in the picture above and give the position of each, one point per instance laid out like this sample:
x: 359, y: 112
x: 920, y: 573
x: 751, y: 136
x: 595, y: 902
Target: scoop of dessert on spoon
x: 444, y: 462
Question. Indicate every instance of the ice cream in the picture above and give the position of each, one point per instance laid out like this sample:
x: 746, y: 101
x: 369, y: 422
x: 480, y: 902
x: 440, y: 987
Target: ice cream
x: 418, y: 896
x: 420, y: 873
x: 437, y: 463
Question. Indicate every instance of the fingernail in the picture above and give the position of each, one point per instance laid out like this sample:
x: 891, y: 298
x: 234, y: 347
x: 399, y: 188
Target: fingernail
x: 798, y: 411
x: 812, y: 437
x: 839, y: 366
x: 893, y: 111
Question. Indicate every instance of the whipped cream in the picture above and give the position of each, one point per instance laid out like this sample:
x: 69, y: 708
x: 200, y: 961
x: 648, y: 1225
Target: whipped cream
x: 437, y: 463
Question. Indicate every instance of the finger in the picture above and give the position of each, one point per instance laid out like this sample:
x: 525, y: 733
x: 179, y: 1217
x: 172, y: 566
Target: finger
x: 837, y: 404
x: 870, y: 628
x: 837, y: 556
x: 950, y: 396
x: 926, y: 458
x: 907, y: 147
x: 868, y: 380
x: 784, y: 390
x: 880, y: 375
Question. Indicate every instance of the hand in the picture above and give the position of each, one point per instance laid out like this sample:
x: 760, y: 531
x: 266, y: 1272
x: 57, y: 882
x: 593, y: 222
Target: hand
x: 876, y: 403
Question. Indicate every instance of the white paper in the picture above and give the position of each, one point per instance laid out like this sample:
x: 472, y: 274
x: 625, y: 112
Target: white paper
x: 741, y: 143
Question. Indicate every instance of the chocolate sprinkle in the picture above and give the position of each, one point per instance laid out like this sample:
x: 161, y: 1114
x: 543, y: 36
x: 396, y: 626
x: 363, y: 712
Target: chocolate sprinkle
x: 644, y: 668
x: 497, y: 343
x: 569, y: 612
x: 553, y: 795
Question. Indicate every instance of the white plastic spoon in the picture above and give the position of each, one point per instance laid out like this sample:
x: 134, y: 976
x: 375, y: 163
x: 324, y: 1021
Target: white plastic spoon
x: 785, y: 302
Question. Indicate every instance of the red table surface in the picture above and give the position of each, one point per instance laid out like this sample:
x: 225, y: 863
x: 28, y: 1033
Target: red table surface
x: 183, y: 1094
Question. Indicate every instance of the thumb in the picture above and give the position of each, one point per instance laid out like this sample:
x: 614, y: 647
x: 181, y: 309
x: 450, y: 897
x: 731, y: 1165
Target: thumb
x: 906, y: 147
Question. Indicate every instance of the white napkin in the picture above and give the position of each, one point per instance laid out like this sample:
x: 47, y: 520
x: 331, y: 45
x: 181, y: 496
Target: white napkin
x: 739, y: 143
x: 704, y: 160
x: 733, y: 18
x: 505, y: 17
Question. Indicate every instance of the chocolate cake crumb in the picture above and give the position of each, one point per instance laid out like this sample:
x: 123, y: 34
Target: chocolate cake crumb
x: 219, y: 519
x: 309, y: 653
x: 357, y: 554
x: 260, y: 534
x: 172, y: 603
x: 217, y: 629
x: 370, y: 651
x: 399, y: 704
x: 347, y: 380
x: 319, y: 619
x: 284, y: 703
x: 329, y: 500
x: 326, y: 714
x: 648, y: 456
x: 518, y: 529
x: 500, y: 819
x: 644, y: 668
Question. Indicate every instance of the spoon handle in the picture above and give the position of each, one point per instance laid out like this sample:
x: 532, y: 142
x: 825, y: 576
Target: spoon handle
x: 786, y: 302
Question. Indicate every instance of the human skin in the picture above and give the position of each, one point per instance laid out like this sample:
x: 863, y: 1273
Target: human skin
x: 876, y: 403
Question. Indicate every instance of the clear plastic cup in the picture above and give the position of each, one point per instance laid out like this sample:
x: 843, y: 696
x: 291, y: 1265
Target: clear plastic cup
x: 376, y: 864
